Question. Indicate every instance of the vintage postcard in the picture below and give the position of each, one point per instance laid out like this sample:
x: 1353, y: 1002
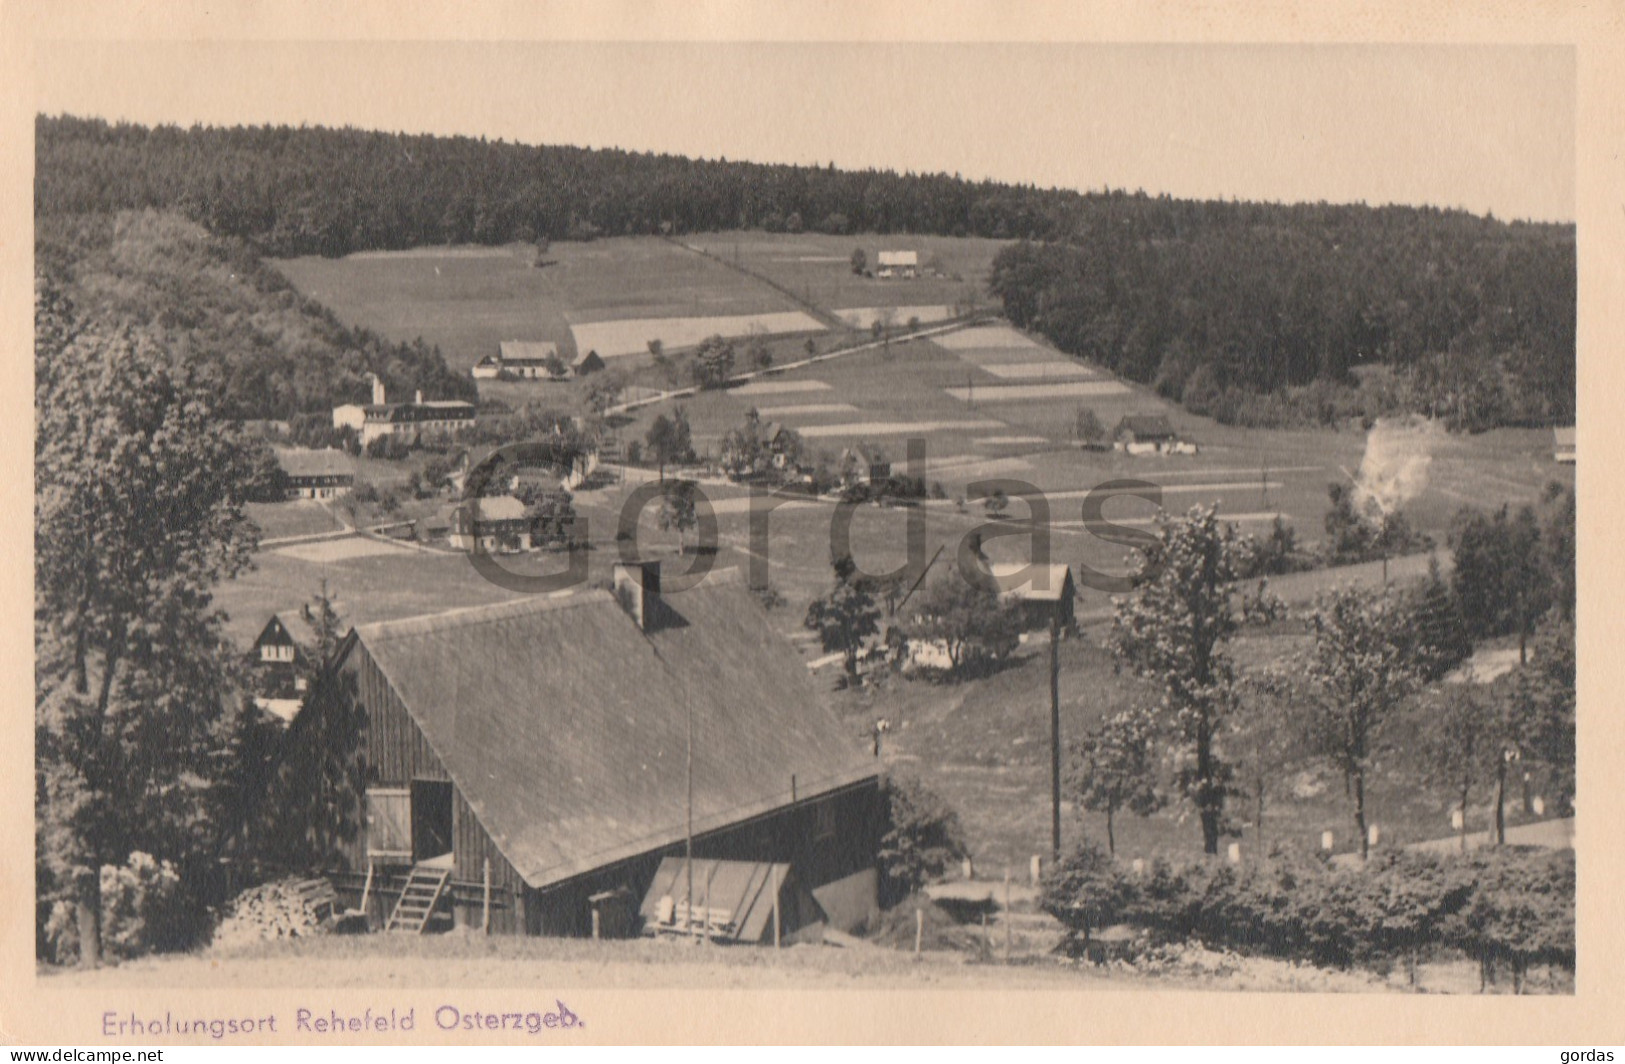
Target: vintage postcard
x: 991, y: 524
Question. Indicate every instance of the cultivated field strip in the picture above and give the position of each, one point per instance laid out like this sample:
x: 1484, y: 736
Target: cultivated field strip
x: 897, y: 428
x: 779, y: 387
x: 1038, y: 370
x: 1005, y: 393
x: 615, y: 339
x: 805, y: 409
x: 865, y: 317
x: 988, y: 336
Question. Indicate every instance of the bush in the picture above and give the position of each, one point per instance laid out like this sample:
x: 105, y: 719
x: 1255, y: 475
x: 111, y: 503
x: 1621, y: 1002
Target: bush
x: 923, y: 838
x: 1503, y: 905
x: 145, y: 909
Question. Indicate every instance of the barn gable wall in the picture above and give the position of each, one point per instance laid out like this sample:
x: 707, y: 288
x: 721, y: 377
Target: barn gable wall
x: 396, y: 753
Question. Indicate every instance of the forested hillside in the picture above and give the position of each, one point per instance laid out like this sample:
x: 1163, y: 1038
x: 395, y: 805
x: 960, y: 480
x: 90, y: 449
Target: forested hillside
x: 1267, y: 314
x: 333, y: 191
x: 1254, y: 313
x: 264, y: 350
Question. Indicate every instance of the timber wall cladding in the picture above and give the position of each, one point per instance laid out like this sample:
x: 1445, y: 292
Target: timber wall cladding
x: 398, y: 753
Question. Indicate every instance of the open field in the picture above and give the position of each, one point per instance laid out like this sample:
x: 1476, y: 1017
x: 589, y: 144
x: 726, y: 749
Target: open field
x: 299, y: 517
x: 631, y: 336
x: 894, y: 317
x: 467, y: 300
x: 818, y: 267
x: 340, y: 550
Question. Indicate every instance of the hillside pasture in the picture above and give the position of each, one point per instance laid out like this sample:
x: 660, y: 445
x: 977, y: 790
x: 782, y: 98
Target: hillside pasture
x: 818, y: 267
x: 468, y: 300
x: 618, y: 337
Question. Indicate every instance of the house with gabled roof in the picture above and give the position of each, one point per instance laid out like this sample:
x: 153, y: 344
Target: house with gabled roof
x: 1044, y: 594
x: 1149, y: 434
x: 315, y: 474
x: 898, y: 264
x: 525, y: 759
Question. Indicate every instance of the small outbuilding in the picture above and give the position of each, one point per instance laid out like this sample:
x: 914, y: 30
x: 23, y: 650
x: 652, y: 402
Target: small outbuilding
x: 760, y: 902
x: 1563, y: 444
x: 1044, y: 594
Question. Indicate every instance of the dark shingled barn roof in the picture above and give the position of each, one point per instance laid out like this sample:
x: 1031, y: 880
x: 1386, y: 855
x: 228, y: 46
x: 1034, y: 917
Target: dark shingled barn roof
x: 563, y: 723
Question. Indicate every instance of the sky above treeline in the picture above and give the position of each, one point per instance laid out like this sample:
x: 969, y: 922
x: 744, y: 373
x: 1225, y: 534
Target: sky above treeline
x: 1489, y: 129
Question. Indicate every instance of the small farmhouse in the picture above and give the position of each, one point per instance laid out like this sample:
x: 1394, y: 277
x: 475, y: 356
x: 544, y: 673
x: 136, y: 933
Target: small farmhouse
x: 274, y: 661
x: 904, y: 264
x: 1044, y: 594
x: 378, y: 418
x: 535, y: 360
x: 274, y: 647
x: 490, y: 523
x: 527, y: 761
x: 1149, y: 434
x: 308, y: 474
x: 867, y: 463
x: 1563, y: 444
x: 583, y: 364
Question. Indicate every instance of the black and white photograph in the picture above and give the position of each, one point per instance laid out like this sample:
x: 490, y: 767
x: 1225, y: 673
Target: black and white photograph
x: 543, y: 518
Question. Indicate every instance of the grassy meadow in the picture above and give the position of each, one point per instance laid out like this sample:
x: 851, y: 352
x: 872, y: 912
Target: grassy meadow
x: 467, y: 300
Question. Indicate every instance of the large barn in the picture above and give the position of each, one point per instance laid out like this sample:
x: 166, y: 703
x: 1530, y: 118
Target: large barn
x: 527, y: 760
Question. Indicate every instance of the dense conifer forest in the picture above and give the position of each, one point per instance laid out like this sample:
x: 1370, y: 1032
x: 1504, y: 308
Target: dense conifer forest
x: 1254, y: 313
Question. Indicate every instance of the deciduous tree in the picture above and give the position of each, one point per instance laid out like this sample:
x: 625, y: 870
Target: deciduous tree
x: 1362, y: 665
x: 845, y: 616
x: 1173, y: 629
x: 1114, y: 767
x: 970, y: 621
x: 137, y: 511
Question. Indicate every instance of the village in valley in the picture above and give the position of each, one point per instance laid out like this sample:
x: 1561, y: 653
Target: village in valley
x: 873, y: 580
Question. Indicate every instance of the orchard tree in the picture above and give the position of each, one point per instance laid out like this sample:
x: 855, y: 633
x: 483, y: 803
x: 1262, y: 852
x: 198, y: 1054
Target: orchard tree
x: 1362, y: 666
x: 1458, y: 744
x: 677, y: 508
x: 845, y: 616
x: 1173, y: 630
x: 1265, y: 737
x: 968, y: 618
x: 1114, y: 767
x: 138, y: 491
x: 1557, y: 537
x: 1441, y: 636
x: 923, y: 837
x: 713, y: 362
x: 669, y: 439
x: 1502, y: 579
x: 1088, y: 427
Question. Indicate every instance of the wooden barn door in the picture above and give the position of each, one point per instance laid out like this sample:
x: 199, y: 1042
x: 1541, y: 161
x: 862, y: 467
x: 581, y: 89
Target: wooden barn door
x: 389, y: 824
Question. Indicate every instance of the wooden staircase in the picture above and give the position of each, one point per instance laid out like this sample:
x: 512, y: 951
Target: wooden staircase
x: 424, y: 885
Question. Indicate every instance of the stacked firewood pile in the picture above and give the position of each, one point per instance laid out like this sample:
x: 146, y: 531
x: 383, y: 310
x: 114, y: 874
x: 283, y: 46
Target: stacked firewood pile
x: 283, y: 908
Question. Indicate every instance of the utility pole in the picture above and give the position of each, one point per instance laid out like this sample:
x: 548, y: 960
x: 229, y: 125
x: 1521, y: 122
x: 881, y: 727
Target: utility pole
x: 688, y: 830
x: 1055, y: 737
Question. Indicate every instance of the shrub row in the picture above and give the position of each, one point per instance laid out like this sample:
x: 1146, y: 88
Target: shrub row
x: 1507, y: 904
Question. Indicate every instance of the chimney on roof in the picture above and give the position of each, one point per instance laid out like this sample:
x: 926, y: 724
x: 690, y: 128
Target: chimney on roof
x: 417, y: 397
x: 637, y: 587
x: 377, y: 390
